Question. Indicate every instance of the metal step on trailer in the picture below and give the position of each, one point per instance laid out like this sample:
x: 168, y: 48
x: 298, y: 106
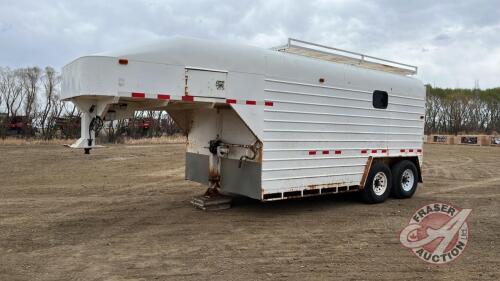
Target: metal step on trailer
x: 212, y: 202
x: 322, y: 52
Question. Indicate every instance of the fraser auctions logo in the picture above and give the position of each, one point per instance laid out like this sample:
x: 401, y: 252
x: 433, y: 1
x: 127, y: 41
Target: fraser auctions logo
x: 437, y: 233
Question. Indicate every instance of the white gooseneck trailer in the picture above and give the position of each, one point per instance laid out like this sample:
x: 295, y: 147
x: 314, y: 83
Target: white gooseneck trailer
x: 299, y: 120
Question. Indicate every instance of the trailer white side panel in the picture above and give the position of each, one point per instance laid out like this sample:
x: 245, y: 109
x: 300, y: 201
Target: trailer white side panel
x: 322, y: 133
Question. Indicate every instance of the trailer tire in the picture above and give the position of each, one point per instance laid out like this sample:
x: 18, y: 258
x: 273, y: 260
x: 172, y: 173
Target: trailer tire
x: 405, y: 179
x: 378, y: 184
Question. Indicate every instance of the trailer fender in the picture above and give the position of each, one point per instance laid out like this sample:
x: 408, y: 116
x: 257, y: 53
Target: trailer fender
x: 390, y: 161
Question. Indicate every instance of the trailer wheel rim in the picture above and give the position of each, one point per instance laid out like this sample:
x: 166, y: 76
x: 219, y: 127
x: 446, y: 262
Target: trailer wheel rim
x: 407, y: 180
x: 379, y: 183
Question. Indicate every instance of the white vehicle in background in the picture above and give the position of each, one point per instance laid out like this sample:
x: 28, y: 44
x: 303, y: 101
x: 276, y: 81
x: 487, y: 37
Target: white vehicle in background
x: 298, y: 120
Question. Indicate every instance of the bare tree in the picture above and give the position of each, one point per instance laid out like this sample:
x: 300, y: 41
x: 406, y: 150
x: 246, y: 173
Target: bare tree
x: 52, y: 107
x: 11, y: 91
x: 30, y: 78
x: 30, y: 81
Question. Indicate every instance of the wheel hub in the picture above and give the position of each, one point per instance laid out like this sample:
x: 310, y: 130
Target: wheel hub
x: 407, y: 180
x: 379, y: 183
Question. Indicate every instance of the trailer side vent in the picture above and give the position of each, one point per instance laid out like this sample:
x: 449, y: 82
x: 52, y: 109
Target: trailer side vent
x: 329, y: 190
x: 380, y: 99
x: 272, y: 196
x: 310, y: 191
x: 292, y: 194
x: 342, y: 188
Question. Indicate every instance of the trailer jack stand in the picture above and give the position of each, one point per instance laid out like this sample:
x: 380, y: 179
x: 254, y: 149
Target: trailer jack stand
x: 92, y: 113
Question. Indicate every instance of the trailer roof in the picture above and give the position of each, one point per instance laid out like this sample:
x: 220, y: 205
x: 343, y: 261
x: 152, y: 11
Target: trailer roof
x: 317, y: 51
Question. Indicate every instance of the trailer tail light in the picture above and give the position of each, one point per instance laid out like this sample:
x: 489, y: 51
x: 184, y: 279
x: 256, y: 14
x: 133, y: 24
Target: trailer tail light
x: 231, y: 101
x: 312, y: 152
x: 123, y: 61
x: 251, y: 102
x: 268, y: 103
x: 326, y: 152
x: 338, y: 152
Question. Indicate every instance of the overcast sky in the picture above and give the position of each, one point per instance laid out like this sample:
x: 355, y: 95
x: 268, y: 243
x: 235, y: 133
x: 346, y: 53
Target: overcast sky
x: 453, y: 42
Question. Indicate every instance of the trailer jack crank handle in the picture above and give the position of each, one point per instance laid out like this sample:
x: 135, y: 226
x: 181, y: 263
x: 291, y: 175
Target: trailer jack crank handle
x: 95, y: 126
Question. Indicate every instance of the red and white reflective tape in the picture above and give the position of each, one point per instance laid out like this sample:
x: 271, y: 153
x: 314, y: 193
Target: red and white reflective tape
x: 163, y: 97
x: 373, y: 151
x: 410, y: 150
x: 325, y: 152
x: 138, y: 95
x: 186, y: 98
x: 249, y: 102
x: 383, y: 151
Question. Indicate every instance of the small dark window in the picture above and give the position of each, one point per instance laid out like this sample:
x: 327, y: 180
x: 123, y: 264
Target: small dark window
x: 380, y: 99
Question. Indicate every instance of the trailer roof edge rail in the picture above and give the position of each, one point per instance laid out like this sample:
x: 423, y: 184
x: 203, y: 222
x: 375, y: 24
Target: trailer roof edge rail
x: 322, y: 52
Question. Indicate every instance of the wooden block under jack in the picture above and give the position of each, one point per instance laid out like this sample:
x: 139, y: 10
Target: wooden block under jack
x: 212, y: 203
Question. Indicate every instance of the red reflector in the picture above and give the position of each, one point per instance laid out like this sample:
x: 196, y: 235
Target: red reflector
x: 402, y: 150
x: 187, y: 98
x: 326, y: 152
x: 374, y: 151
x: 411, y: 150
x: 338, y: 152
x: 163, y: 97
x: 419, y: 150
x: 384, y: 150
x: 251, y: 102
x: 321, y: 80
x: 139, y: 95
x: 312, y: 152
x: 123, y: 61
x: 364, y: 151
x: 268, y: 103
x: 230, y: 101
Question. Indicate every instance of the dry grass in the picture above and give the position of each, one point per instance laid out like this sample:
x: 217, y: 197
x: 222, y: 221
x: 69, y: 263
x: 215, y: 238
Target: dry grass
x: 158, y: 140
x: 19, y: 141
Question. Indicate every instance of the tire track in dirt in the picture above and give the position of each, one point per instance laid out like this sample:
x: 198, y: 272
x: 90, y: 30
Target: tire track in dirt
x: 477, y: 184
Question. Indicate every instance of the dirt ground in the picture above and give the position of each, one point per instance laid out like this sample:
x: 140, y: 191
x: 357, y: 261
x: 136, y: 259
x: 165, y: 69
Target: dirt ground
x: 123, y: 213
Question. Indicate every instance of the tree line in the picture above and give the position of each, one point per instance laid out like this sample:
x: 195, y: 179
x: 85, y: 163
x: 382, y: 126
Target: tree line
x: 29, y: 100
x: 31, y: 107
x: 462, y: 111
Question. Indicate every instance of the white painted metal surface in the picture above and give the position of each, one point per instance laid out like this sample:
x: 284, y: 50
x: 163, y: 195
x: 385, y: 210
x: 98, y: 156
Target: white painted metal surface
x: 314, y: 118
